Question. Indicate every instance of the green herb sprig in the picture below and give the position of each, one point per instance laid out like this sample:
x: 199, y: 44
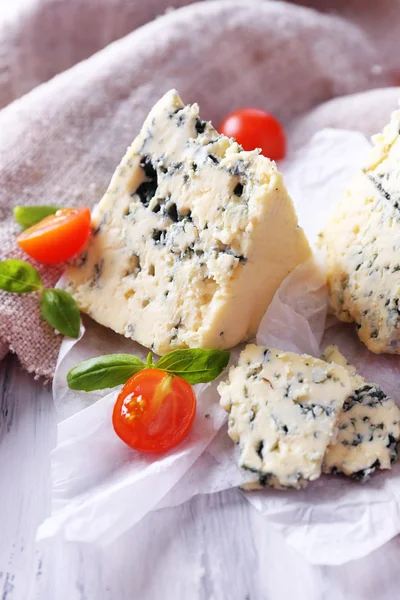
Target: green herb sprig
x: 58, y: 308
x: 26, y: 216
x: 195, y: 365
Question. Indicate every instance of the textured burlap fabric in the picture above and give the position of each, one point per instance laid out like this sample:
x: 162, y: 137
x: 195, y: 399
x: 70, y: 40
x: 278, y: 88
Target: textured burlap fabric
x: 60, y: 142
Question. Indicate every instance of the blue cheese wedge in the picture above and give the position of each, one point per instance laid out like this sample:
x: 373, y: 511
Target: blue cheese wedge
x: 283, y: 409
x: 362, y: 245
x: 191, y: 240
x: 368, y: 428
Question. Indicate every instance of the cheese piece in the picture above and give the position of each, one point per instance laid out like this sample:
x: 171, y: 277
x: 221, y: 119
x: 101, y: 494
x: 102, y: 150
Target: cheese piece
x: 362, y: 245
x: 191, y: 240
x: 332, y: 354
x: 283, y: 410
x: 368, y: 428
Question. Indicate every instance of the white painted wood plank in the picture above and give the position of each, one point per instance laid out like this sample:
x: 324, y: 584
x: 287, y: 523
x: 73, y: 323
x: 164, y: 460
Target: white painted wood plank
x: 218, y: 548
x: 27, y: 432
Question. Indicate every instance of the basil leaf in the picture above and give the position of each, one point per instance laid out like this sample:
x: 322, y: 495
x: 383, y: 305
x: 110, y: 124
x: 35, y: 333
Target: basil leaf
x: 61, y: 312
x: 26, y: 216
x: 19, y: 277
x: 104, y: 372
x: 195, y: 365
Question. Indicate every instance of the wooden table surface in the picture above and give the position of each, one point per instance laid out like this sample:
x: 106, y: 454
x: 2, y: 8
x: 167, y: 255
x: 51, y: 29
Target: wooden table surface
x: 223, y: 549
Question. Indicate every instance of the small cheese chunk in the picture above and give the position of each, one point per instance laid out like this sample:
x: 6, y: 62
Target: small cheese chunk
x: 283, y: 410
x: 368, y: 428
x: 191, y: 240
x: 362, y: 245
x: 332, y: 354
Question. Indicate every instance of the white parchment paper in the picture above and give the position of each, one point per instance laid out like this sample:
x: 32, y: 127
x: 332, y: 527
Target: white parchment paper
x: 102, y: 488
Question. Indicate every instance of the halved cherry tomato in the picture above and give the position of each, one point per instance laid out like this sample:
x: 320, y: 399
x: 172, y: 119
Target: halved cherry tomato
x: 57, y: 237
x: 255, y: 128
x: 154, y: 411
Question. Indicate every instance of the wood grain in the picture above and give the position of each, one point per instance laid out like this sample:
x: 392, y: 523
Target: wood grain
x: 214, y: 547
x: 27, y: 433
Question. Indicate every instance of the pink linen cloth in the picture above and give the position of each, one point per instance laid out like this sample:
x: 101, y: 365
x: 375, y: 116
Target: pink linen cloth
x: 326, y: 65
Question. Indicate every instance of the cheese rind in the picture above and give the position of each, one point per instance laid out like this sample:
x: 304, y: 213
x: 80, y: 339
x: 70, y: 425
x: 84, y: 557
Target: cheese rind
x: 283, y: 410
x: 362, y: 245
x: 368, y: 428
x: 191, y: 240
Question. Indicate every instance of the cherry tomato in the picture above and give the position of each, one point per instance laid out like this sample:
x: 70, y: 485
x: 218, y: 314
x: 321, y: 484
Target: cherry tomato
x: 154, y: 411
x: 255, y: 128
x: 57, y: 237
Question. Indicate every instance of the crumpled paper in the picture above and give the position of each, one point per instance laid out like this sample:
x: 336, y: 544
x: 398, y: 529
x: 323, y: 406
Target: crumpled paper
x: 101, y: 488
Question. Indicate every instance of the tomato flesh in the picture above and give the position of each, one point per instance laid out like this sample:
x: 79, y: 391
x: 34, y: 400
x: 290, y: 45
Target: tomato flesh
x: 57, y: 237
x: 154, y: 411
x: 255, y: 128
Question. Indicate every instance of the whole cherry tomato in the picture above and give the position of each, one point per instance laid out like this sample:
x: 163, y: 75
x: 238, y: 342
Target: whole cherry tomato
x: 154, y: 411
x: 57, y: 237
x: 255, y: 128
